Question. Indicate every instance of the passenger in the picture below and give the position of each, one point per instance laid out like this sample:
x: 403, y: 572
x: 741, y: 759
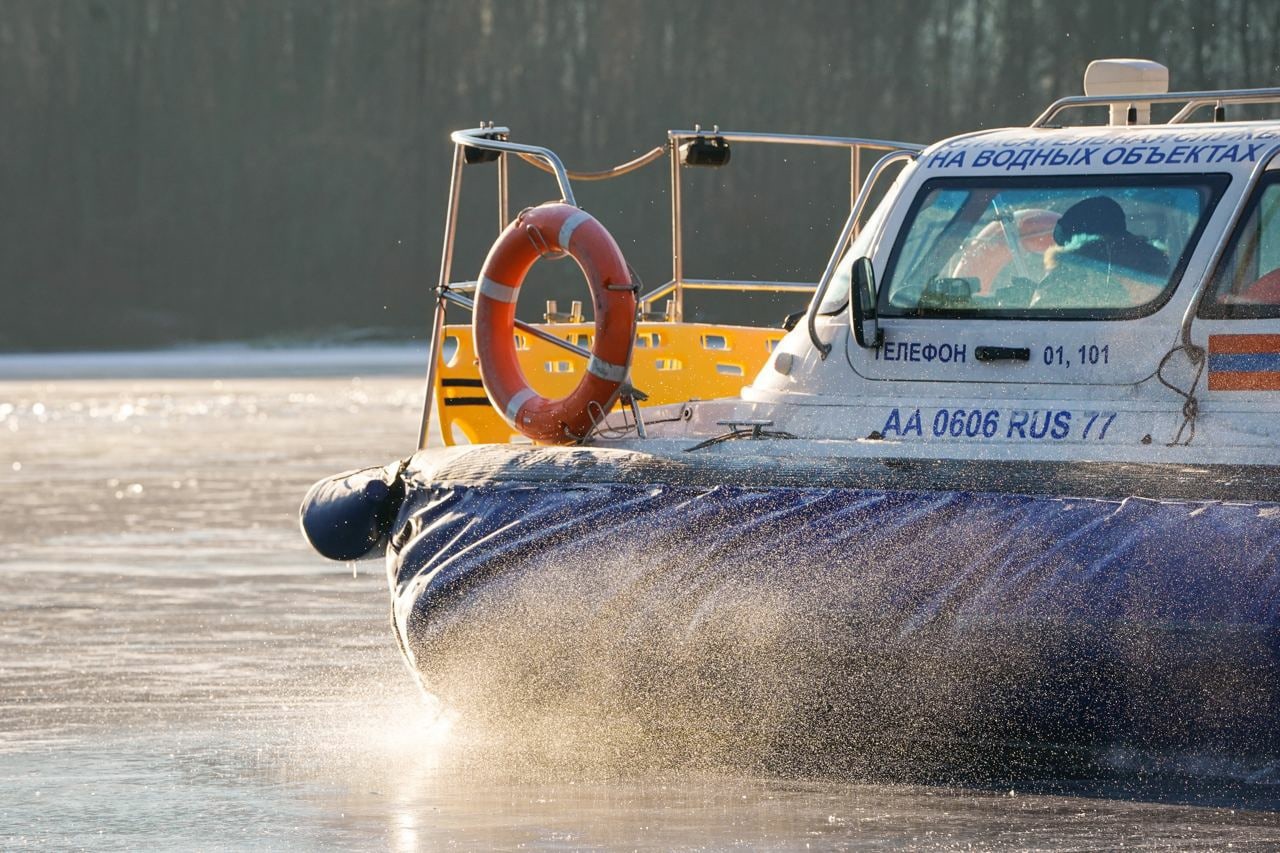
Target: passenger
x: 1097, y: 263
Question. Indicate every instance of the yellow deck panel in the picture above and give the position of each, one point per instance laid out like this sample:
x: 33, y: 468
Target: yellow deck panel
x: 673, y: 362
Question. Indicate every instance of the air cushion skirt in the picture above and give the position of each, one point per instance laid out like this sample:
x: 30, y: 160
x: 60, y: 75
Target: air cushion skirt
x: 843, y: 617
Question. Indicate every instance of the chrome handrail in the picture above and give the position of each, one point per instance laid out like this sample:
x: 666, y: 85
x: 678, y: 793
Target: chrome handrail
x: 1194, y: 101
x: 442, y: 288
x: 855, y: 144
x: 797, y: 139
x: 846, y: 232
x: 1262, y: 96
x: 494, y: 139
x: 715, y: 284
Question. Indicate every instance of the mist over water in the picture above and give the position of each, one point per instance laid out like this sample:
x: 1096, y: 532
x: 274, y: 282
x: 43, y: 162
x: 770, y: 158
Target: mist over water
x: 179, y: 670
x: 798, y: 640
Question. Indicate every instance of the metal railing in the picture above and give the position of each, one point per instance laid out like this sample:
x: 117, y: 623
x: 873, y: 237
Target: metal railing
x: 1191, y: 101
x: 678, y: 284
x: 811, y: 315
x: 490, y: 138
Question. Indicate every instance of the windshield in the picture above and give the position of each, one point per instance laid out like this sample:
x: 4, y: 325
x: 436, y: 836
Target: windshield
x: 1046, y: 247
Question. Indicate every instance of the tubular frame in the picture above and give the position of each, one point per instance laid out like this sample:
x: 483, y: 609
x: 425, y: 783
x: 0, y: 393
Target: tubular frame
x: 491, y: 138
x: 1192, y: 101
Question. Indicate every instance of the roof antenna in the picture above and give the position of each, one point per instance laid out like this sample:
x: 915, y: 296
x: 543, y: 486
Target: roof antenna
x: 1122, y: 79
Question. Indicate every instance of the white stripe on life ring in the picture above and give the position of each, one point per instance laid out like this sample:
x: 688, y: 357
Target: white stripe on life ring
x: 606, y: 371
x: 570, y: 225
x: 500, y: 292
x: 521, y: 397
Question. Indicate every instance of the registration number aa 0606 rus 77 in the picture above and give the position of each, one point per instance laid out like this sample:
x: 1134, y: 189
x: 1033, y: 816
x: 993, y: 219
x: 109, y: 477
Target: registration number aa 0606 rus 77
x: 1049, y: 424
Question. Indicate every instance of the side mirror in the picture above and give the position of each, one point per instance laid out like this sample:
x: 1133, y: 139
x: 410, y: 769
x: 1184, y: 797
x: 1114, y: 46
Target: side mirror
x: 862, y: 305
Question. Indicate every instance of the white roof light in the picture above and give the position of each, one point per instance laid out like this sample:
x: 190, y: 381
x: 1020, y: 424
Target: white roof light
x: 1105, y: 77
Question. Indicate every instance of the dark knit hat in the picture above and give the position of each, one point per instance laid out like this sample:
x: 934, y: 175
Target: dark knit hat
x: 1098, y: 215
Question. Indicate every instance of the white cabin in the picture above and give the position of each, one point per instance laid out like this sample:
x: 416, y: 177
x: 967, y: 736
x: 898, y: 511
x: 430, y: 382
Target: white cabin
x: 1074, y: 293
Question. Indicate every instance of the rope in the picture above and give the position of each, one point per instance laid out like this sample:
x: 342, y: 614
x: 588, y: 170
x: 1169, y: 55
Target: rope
x: 1190, y: 405
x: 539, y: 243
x: 754, y: 433
x: 599, y: 420
x: 604, y: 174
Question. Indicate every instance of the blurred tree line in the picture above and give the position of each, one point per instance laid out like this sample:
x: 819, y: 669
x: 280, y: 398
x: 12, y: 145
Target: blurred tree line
x: 173, y: 170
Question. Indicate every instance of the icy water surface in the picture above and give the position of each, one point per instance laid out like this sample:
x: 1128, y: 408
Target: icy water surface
x: 179, y: 671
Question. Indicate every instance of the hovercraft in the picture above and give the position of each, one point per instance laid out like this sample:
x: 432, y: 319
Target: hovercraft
x: 1010, y: 479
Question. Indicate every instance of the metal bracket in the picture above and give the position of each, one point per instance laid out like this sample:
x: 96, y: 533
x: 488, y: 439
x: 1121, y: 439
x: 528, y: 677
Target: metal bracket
x: 633, y: 397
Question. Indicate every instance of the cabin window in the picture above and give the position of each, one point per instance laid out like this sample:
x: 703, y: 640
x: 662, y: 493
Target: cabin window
x: 1247, y: 283
x: 1046, y: 248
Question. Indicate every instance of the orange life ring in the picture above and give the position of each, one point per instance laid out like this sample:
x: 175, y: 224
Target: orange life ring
x: 546, y: 230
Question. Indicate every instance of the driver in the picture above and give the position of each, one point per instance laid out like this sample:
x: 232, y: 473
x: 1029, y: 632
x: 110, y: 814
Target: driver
x: 1097, y: 263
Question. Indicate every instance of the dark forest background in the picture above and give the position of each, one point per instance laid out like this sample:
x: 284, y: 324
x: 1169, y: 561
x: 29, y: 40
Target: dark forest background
x: 275, y: 170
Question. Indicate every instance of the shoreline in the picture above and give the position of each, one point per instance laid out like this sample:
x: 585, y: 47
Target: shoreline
x: 219, y: 361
